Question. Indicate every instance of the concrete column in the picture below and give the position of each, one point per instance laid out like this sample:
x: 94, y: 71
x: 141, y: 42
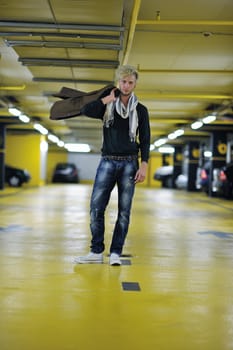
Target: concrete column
x: 193, y: 159
x: 166, y: 162
x: 177, y: 163
x: 165, y: 159
x: 2, y: 156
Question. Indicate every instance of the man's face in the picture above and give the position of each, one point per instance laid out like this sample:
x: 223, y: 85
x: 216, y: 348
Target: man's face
x: 127, y: 84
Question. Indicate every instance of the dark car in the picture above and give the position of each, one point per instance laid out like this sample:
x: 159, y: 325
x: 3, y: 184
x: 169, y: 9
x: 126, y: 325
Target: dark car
x: 65, y: 173
x: 16, y: 177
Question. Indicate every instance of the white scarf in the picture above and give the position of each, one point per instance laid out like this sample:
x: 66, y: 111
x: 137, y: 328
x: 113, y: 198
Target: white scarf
x: 125, y: 112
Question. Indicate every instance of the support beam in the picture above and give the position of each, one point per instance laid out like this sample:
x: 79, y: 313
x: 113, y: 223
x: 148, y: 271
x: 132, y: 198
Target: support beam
x: 184, y: 71
x: 182, y: 96
x: 185, y: 23
x: 133, y: 23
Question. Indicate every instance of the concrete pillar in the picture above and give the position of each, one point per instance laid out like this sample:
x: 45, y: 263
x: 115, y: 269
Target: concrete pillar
x: 166, y: 162
x: 2, y: 156
x: 193, y: 159
x: 165, y: 159
x: 177, y: 163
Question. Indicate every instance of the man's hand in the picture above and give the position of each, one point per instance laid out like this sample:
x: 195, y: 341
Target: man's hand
x: 141, y: 173
x: 110, y: 98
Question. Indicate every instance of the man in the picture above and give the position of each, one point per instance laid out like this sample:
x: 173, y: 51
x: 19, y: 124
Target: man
x: 126, y: 132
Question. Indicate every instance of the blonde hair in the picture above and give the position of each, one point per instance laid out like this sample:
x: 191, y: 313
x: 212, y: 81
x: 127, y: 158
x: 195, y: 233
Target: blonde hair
x: 124, y: 71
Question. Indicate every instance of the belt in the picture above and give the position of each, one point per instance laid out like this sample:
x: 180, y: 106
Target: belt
x: 129, y: 158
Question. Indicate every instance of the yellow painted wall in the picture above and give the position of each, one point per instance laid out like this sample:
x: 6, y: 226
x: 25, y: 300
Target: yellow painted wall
x: 155, y: 162
x: 23, y: 151
x: 53, y: 158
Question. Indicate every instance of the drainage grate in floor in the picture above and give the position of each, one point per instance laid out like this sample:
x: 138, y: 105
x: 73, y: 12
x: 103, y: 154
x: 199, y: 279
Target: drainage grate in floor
x: 131, y: 286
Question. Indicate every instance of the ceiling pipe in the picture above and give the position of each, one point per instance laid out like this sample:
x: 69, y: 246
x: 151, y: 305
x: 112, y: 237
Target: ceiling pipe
x: 68, y: 62
x: 60, y: 35
x: 63, y: 44
x: 132, y: 27
x: 91, y: 27
x: 185, y: 23
x: 68, y: 80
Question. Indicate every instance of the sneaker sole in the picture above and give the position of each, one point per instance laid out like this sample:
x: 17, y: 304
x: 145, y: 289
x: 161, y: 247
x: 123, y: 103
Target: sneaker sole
x: 88, y: 262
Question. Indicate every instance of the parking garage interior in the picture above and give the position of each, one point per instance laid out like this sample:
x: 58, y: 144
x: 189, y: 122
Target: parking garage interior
x: 174, y: 287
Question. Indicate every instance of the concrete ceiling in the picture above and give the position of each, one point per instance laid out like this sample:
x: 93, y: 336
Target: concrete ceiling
x: 183, y: 51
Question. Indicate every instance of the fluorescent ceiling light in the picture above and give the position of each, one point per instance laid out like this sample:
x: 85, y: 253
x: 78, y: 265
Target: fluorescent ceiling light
x: 166, y: 149
x: 77, y: 147
x: 196, y: 125
x: 53, y: 138
x: 172, y: 136
x: 160, y: 142
x: 61, y: 143
x: 14, y: 111
x: 179, y: 132
x: 152, y: 147
x: 40, y: 128
x: 175, y: 134
x: 24, y: 118
x: 209, y: 119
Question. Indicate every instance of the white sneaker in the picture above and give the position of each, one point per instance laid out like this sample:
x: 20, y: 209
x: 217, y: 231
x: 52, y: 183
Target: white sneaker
x: 114, y: 259
x: 90, y: 258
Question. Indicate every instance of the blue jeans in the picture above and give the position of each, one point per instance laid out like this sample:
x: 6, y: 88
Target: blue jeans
x: 110, y: 173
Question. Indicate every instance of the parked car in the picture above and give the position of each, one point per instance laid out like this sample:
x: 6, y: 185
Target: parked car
x: 16, y: 177
x: 65, y: 173
x: 223, y: 181
x: 165, y: 175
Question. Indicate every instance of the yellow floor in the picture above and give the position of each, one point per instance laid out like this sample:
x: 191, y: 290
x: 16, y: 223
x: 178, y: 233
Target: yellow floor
x: 178, y: 261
